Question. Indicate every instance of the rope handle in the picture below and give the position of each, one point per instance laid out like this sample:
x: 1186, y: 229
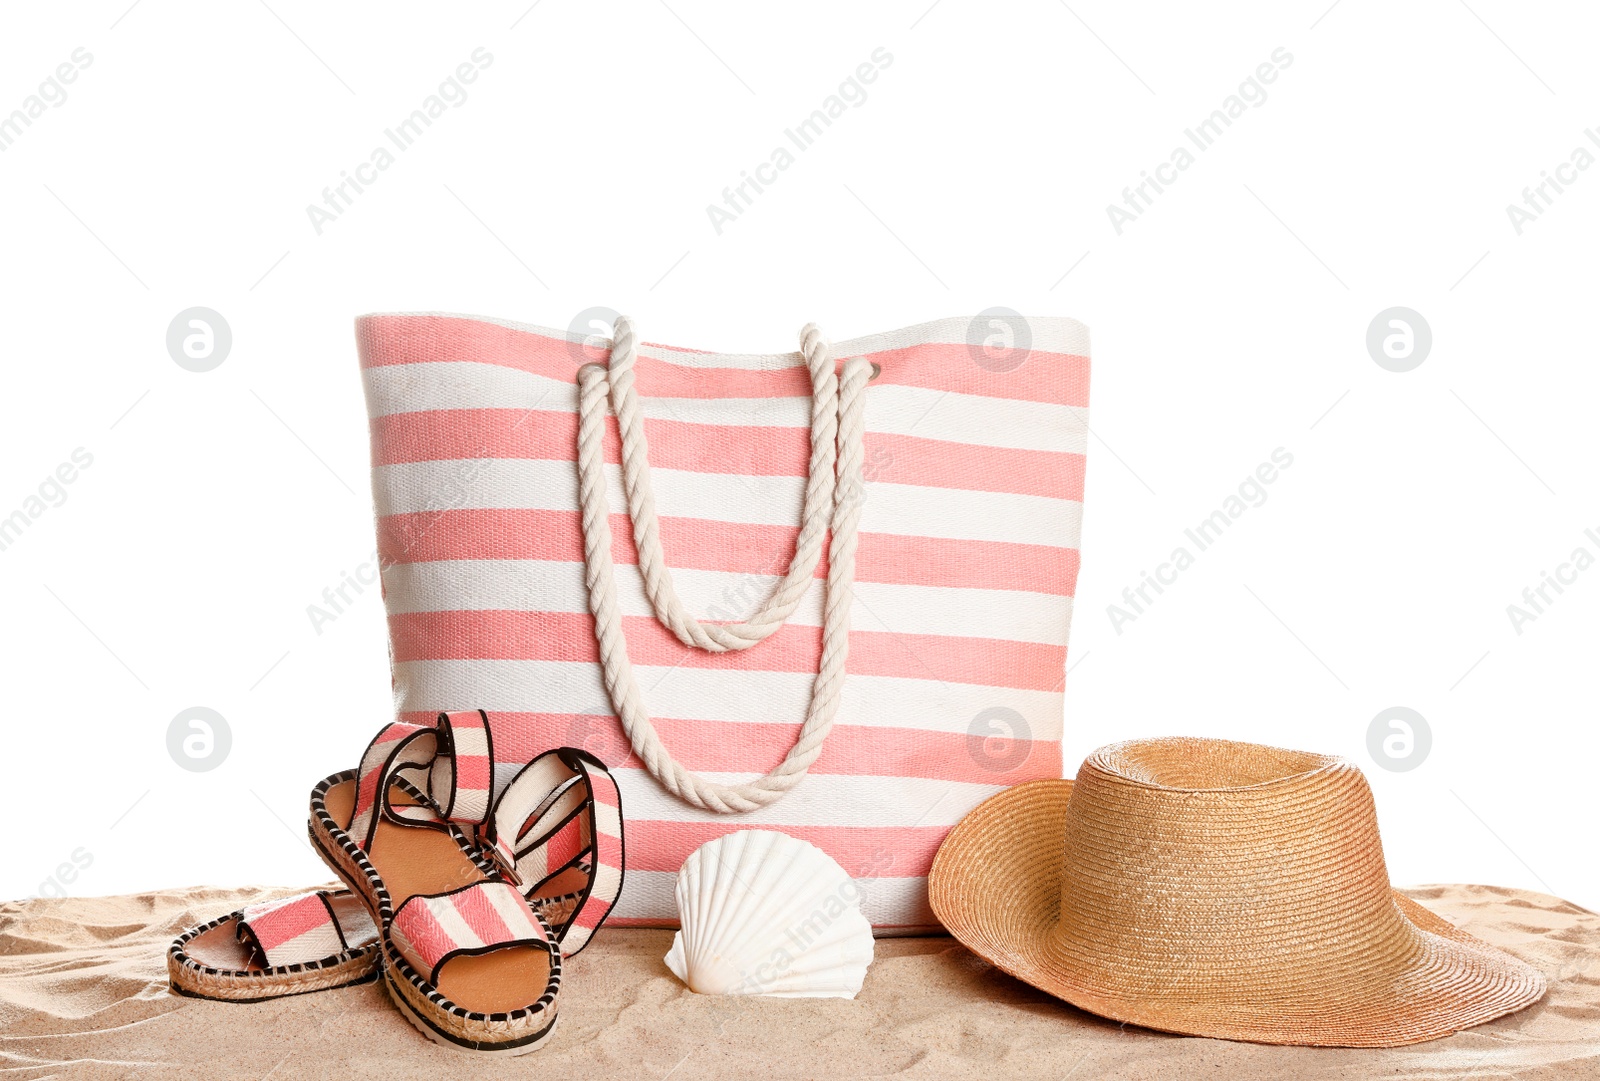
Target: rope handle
x: 837, y: 426
x: 815, y: 517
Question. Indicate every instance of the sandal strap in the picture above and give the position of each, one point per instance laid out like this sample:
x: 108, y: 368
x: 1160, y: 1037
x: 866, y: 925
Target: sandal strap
x: 430, y: 930
x: 521, y: 807
x: 605, y: 857
x: 462, y: 778
x: 296, y: 930
x: 457, y: 756
x: 396, y: 748
x: 562, y: 810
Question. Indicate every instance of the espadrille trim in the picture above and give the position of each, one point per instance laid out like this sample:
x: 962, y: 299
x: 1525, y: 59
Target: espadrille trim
x: 562, y: 811
x: 557, y: 911
x: 349, y: 860
x: 493, y: 1033
x: 195, y: 979
x: 400, y: 964
x: 366, y: 875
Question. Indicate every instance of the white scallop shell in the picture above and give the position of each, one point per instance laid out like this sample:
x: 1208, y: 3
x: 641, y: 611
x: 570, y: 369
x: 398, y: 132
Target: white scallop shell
x: 765, y: 914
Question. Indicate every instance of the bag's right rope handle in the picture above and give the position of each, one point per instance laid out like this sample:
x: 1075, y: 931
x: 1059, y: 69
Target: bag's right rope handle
x: 846, y: 495
x: 714, y: 637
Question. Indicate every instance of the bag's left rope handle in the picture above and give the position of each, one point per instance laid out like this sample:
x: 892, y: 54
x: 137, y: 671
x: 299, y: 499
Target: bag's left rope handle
x: 615, y: 665
x: 818, y: 510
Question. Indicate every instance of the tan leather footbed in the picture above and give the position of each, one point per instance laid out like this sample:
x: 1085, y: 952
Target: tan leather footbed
x: 415, y: 860
x: 220, y: 948
x: 569, y: 881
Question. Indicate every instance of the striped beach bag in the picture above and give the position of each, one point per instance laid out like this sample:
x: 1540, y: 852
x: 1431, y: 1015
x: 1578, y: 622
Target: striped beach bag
x: 824, y: 592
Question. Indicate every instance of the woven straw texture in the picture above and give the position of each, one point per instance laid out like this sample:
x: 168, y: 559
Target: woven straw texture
x: 1217, y: 889
x: 191, y: 977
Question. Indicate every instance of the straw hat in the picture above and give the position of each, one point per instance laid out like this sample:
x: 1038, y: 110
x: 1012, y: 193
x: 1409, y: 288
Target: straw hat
x: 1215, y: 889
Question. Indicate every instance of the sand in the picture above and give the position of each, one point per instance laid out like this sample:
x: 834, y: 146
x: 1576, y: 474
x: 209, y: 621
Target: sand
x: 83, y: 994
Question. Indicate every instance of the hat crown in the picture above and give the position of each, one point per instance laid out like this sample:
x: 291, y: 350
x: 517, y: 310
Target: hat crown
x: 1191, y: 861
x: 1215, y: 889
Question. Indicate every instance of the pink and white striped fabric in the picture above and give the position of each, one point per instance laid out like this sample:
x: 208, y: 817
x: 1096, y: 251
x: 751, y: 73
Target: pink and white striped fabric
x: 475, y: 919
x: 966, y: 565
x: 465, y: 766
x: 563, y: 812
x: 455, y: 758
x: 298, y: 929
x: 397, y: 746
x: 602, y: 840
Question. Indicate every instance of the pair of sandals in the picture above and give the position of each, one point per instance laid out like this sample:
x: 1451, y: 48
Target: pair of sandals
x: 464, y: 903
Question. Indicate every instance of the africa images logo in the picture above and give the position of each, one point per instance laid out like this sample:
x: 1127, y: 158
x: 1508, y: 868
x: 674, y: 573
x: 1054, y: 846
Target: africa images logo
x: 851, y: 93
x: 450, y: 94
x: 1251, y: 94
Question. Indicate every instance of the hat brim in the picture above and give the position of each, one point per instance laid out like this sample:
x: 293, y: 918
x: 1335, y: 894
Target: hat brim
x: 996, y: 886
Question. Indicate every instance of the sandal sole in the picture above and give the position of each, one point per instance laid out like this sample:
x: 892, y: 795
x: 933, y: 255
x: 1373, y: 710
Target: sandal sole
x: 192, y: 978
x: 516, y: 1033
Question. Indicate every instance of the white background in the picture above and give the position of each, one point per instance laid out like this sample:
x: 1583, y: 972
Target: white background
x: 1228, y: 320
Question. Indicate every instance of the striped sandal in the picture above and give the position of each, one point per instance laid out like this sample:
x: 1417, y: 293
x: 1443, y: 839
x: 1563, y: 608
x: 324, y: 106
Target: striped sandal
x: 465, y: 958
x: 556, y: 831
x: 309, y: 942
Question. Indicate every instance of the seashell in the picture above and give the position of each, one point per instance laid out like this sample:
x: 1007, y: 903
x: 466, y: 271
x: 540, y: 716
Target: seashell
x: 765, y: 914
